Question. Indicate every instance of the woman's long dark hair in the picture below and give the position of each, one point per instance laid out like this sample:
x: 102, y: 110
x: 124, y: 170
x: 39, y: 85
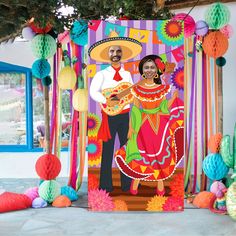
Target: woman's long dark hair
x: 151, y: 58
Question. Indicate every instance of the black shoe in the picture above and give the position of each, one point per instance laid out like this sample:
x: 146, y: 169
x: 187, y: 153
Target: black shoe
x: 108, y: 190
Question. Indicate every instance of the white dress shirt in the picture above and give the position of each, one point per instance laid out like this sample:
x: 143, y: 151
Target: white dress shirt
x: 104, y: 79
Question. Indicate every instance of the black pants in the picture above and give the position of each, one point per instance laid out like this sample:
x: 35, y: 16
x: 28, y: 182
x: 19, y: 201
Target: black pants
x: 117, y: 124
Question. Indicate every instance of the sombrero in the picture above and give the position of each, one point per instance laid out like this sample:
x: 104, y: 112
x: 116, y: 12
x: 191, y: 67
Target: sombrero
x: 130, y: 48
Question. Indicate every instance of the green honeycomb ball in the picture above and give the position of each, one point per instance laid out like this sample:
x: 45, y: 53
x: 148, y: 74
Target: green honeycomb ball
x: 217, y: 15
x: 43, y: 46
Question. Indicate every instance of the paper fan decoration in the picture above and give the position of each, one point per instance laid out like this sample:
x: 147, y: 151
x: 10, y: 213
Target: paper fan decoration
x: 177, y: 78
x: 120, y: 205
x: 93, y: 124
x: 94, y: 149
x: 99, y: 200
x: 93, y: 182
x: 177, y: 186
x: 174, y: 204
x: 156, y: 203
x: 170, y: 32
x: 189, y: 23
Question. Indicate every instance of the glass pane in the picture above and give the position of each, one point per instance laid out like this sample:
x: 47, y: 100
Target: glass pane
x: 38, y: 115
x: 12, y: 109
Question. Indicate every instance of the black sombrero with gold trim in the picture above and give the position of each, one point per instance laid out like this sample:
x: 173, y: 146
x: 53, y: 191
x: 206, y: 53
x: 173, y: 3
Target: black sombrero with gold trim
x: 130, y: 48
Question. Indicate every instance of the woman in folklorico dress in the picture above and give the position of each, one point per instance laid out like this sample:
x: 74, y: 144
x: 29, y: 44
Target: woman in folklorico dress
x: 155, y: 145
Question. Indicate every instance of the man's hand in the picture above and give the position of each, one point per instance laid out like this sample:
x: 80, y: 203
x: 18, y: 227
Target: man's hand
x: 112, y: 103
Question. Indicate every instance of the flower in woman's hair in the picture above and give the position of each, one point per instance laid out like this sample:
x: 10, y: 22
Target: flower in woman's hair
x: 160, y: 64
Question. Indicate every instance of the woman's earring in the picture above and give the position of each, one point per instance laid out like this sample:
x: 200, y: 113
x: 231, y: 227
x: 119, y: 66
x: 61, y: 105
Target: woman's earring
x: 143, y: 75
x: 156, y: 76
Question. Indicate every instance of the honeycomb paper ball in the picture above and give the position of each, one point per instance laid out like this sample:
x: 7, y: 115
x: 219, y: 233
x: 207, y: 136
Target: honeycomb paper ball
x: 231, y: 200
x: 49, y: 190
x: 214, y: 143
x: 41, y: 68
x: 64, y: 37
x: 201, y: 28
x: 32, y: 193
x: 67, y: 78
x: 215, y: 44
x: 61, y: 201
x: 217, y: 15
x: 28, y: 33
x: 43, y: 46
x: 214, y: 166
x: 220, y: 61
x: 39, y: 203
x: 69, y: 192
x: 227, y: 30
x: 189, y: 23
x: 79, y: 32
x: 203, y: 199
x: 46, y: 81
x: 48, y: 167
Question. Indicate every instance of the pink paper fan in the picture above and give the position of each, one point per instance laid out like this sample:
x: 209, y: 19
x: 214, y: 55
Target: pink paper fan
x: 189, y: 23
x: 64, y: 37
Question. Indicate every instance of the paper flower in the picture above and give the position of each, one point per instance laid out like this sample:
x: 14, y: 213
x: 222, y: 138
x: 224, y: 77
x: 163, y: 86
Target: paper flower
x: 177, y: 78
x: 92, y: 182
x: 99, y: 200
x: 94, y: 149
x: 170, y: 32
x: 156, y: 203
x: 177, y: 186
x: 93, y: 124
x: 173, y: 204
x: 120, y: 205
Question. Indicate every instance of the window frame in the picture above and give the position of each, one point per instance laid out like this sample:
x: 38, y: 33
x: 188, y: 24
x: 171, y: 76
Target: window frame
x: 29, y: 146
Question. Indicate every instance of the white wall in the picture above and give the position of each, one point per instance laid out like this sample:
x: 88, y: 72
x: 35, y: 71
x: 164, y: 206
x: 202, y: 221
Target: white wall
x: 21, y: 165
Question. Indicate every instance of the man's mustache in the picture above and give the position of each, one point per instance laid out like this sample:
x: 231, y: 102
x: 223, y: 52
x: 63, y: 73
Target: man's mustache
x: 118, y: 57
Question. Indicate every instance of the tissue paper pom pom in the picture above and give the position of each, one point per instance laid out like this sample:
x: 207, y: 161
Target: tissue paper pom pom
x: 13, y: 202
x: 41, y: 68
x: 174, y: 204
x: 203, y: 199
x: 48, y: 166
x: 99, y: 200
x: 189, y: 23
x: 46, y: 81
x: 214, y: 166
x: 156, y: 203
x: 220, y: 61
x: 201, y: 28
x: 32, y: 193
x: 215, y: 44
x: 62, y: 201
x: 64, y: 37
x: 28, y: 33
x: 214, y: 143
x: 39, y: 203
x: 43, y: 46
x: 92, y: 182
x: 120, y: 205
x: 49, y: 190
x: 227, y: 30
x: 217, y: 15
x: 217, y: 188
x: 69, y: 192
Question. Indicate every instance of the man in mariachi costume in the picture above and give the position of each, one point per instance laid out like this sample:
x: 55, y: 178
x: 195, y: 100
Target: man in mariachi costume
x: 113, y: 50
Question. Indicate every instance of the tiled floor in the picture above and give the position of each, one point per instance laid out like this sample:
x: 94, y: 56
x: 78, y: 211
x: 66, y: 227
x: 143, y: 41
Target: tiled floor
x: 77, y: 220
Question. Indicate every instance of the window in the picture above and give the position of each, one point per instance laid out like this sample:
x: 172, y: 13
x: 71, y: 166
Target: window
x: 15, y: 108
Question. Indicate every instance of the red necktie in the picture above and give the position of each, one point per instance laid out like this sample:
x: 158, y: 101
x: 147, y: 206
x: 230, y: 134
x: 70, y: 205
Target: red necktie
x: 117, y: 76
